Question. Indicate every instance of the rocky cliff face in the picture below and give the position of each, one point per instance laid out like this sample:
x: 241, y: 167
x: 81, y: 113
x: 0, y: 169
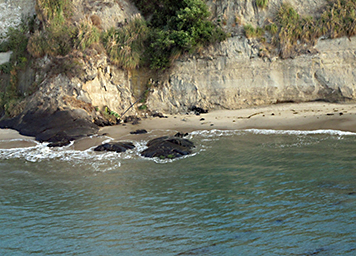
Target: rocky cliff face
x: 232, y: 76
x: 232, y: 14
x: 11, y: 12
x: 66, y: 108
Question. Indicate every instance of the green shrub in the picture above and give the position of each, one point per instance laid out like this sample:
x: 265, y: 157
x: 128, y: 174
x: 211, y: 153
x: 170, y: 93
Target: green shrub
x: 6, y: 68
x: 249, y: 31
x: 180, y: 27
x: 252, y: 32
x: 125, y: 45
x: 16, y: 39
x: 262, y: 3
x: 160, y: 49
x: 291, y: 31
x: 338, y: 19
x: 10, y: 95
x: 48, y: 10
x: 111, y: 113
x: 272, y: 28
x: 85, y: 35
x: 142, y: 107
x: 287, y: 31
x: 148, y: 7
x: 56, y: 40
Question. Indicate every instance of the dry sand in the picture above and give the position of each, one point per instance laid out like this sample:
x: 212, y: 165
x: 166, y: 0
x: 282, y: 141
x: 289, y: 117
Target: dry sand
x: 288, y: 116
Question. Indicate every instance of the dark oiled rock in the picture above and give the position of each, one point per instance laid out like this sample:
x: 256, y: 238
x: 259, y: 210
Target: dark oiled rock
x: 53, y: 125
x: 115, y: 146
x: 160, y: 115
x: 180, y: 134
x: 140, y: 131
x: 62, y: 143
x: 132, y: 119
x: 198, y: 110
x: 168, y: 147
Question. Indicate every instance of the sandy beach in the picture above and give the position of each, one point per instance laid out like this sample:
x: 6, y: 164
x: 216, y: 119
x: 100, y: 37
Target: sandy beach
x: 287, y: 116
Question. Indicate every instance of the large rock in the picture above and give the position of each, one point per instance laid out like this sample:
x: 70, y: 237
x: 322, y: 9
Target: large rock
x: 54, y: 126
x: 5, y: 57
x: 168, y: 147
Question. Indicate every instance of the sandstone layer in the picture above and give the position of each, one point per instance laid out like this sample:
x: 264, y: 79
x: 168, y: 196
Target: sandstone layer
x: 232, y: 76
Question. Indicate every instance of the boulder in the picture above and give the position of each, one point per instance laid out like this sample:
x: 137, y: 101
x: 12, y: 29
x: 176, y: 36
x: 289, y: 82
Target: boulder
x: 140, y: 131
x: 132, y: 119
x: 160, y: 115
x: 56, y: 126
x: 198, y: 110
x: 168, y: 147
x: 115, y: 146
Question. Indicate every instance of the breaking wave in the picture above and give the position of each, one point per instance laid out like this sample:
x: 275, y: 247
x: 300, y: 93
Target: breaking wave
x: 202, y: 139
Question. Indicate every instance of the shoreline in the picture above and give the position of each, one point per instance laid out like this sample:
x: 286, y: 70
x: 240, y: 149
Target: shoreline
x: 284, y: 116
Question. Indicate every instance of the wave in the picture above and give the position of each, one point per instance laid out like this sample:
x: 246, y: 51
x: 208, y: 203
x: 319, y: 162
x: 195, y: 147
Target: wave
x: 41, y: 152
x: 299, y: 132
x: 219, y: 133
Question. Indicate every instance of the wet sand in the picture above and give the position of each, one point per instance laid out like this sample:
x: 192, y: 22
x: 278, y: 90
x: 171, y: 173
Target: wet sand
x: 288, y: 116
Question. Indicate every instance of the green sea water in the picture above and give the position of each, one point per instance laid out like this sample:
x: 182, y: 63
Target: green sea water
x: 255, y: 192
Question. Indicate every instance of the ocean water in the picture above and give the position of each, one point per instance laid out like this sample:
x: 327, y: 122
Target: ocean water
x: 252, y: 192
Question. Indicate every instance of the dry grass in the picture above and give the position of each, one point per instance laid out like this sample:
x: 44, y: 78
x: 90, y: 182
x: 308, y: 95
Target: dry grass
x: 85, y: 35
x: 48, y: 10
x: 290, y: 31
x: 262, y: 3
x: 125, y: 45
x: 252, y: 32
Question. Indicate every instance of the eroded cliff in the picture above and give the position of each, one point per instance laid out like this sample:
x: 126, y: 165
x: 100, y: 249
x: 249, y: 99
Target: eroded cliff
x: 232, y: 76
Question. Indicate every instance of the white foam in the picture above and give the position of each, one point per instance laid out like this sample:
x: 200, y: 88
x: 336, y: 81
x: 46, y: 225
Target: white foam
x: 215, y: 133
x: 41, y: 152
x: 220, y: 133
x: 298, y: 132
x: 19, y: 139
x: 167, y: 160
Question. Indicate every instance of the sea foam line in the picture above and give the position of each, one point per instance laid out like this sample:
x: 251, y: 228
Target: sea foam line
x: 41, y: 152
x: 300, y: 132
x: 219, y: 133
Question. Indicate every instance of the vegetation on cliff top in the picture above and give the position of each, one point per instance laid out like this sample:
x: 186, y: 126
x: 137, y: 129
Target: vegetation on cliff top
x: 17, y: 40
x: 125, y: 45
x: 291, y: 33
x: 176, y: 27
x: 172, y: 28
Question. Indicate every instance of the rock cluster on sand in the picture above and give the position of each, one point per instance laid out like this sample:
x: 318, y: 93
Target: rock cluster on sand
x: 139, y: 131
